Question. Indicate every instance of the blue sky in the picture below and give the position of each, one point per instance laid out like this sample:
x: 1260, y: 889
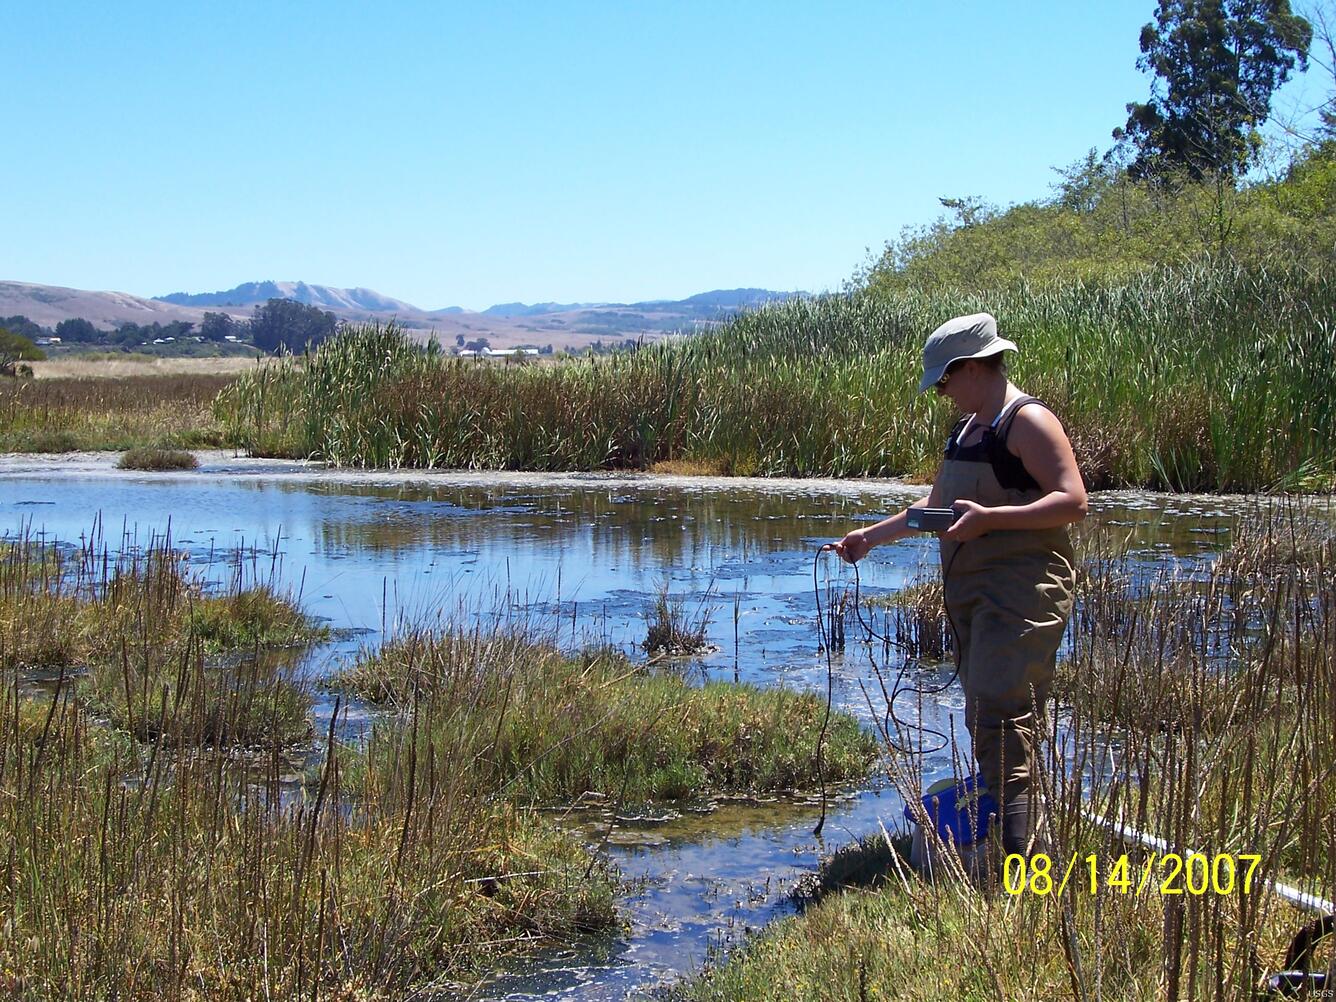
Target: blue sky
x: 467, y: 154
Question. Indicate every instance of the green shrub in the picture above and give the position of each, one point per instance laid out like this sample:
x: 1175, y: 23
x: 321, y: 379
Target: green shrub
x: 157, y: 459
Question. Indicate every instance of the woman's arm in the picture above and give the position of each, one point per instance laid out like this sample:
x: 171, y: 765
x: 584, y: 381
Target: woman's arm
x: 1038, y: 438
x: 854, y: 547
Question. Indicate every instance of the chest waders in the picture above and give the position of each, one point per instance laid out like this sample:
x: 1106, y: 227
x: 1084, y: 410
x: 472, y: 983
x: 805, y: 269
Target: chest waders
x: 1009, y: 595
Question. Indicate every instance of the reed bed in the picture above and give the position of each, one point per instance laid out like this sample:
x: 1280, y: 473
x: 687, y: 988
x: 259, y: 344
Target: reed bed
x: 506, y: 710
x: 1197, y: 708
x: 173, y: 828
x: 80, y: 414
x: 916, y: 620
x: 137, y: 633
x: 165, y: 837
x: 1212, y: 376
x: 134, y: 873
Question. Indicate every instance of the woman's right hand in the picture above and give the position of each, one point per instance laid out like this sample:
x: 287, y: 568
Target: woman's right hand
x: 853, y: 547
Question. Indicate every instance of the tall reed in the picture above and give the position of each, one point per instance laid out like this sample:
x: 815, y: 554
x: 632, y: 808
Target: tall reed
x: 67, y: 413
x: 165, y: 838
x: 136, y: 630
x: 1211, y: 376
x: 173, y: 829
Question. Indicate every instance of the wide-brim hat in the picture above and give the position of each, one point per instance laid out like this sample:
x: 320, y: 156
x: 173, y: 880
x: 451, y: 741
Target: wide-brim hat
x: 973, y: 336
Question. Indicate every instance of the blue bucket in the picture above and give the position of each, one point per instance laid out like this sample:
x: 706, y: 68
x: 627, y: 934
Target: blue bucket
x: 959, y: 811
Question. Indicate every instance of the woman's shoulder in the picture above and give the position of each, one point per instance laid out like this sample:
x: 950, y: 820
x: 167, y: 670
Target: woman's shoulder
x: 1033, y: 419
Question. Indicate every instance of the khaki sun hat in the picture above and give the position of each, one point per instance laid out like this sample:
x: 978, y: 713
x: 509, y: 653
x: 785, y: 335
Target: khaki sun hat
x: 973, y: 336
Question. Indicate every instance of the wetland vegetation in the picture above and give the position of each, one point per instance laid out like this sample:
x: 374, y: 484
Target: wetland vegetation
x: 176, y: 829
x: 157, y: 459
x: 184, y: 814
x: 513, y: 712
x: 1176, y: 361
x: 1242, y: 402
x: 70, y: 414
x: 1181, y: 328
x: 1195, y: 706
x: 496, y: 758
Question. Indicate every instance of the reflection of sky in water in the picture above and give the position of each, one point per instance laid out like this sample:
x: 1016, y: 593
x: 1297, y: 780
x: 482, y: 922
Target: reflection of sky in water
x: 585, y: 555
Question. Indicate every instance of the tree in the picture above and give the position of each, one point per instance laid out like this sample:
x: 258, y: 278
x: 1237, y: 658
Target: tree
x: 129, y: 333
x: 1085, y: 183
x: 19, y: 324
x: 288, y: 324
x: 971, y: 210
x: 1216, y: 64
x: 217, y: 327
x: 77, y: 329
x: 15, y: 348
x: 1326, y: 38
x: 176, y: 329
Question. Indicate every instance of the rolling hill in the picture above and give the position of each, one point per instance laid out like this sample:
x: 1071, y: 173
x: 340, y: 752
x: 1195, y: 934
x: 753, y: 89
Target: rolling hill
x: 563, y: 325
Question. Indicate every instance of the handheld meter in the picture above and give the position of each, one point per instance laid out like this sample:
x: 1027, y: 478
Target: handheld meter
x: 931, y: 519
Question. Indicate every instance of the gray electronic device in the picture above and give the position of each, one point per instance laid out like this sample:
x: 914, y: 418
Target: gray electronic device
x: 932, y: 519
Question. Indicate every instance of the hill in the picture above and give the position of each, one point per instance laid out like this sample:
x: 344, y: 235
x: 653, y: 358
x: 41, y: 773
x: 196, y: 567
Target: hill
x: 565, y: 326
x: 1101, y: 223
x: 324, y: 296
x: 48, y: 305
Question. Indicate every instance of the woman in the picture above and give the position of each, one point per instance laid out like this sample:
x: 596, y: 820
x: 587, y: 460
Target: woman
x: 1007, y: 564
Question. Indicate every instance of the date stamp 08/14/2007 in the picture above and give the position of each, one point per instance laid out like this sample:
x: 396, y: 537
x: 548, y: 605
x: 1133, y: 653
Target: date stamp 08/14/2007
x: 1158, y: 873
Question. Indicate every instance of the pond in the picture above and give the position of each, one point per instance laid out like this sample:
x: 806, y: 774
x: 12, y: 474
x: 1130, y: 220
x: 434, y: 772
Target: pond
x: 584, y: 556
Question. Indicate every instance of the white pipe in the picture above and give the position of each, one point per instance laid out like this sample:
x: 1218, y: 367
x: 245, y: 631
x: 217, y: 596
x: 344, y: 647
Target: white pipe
x: 1303, y: 899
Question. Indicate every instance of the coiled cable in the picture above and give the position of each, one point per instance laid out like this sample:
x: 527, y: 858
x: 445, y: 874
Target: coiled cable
x: 892, y: 725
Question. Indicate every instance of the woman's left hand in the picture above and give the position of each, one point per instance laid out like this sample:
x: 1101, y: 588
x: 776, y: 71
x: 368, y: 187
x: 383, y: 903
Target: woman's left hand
x: 973, y: 522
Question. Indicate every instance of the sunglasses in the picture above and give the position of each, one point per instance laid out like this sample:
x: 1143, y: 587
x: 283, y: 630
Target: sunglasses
x: 941, y: 383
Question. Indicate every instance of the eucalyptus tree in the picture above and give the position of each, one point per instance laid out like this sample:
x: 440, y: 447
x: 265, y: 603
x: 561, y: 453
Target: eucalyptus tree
x: 1216, y: 64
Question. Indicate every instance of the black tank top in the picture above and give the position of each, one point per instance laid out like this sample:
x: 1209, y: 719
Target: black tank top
x: 992, y: 448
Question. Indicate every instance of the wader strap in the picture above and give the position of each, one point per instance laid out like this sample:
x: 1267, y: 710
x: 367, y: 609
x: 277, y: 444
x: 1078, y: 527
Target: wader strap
x: 1009, y: 411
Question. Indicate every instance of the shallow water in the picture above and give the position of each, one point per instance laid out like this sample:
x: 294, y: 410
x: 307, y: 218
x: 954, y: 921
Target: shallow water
x: 582, y: 555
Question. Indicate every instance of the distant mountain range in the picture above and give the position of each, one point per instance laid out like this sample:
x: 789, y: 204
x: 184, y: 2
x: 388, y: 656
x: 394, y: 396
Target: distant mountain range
x: 563, y: 325
x: 370, y: 301
x: 323, y: 296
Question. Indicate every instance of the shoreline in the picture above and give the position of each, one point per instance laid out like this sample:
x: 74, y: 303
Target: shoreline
x: 215, y: 462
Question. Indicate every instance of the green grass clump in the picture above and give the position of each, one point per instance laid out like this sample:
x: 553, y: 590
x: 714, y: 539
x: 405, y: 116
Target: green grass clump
x: 157, y: 459
x: 80, y: 615
x: 522, y: 717
x: 672, y: 630
x: 870, y: 862
x: 257, y: 616
x: 923, y: 943
x: 251, y: 705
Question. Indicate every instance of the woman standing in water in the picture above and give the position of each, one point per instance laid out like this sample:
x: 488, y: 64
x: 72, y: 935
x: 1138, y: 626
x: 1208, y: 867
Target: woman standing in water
x: 1007, y: 565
